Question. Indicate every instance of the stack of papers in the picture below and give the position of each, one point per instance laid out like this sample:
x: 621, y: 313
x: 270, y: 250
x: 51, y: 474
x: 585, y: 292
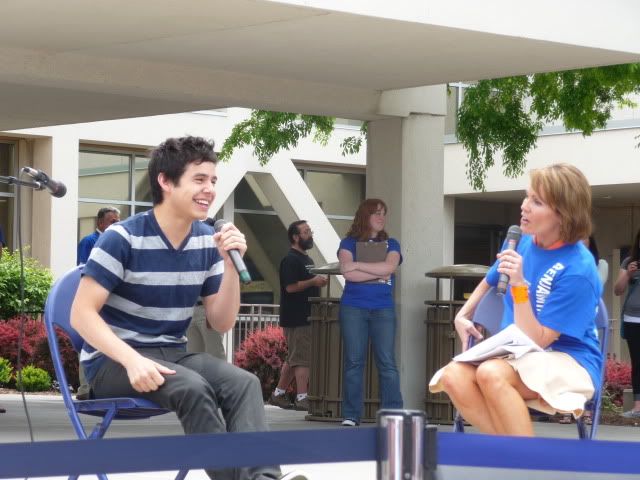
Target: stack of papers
x: 511, y: 342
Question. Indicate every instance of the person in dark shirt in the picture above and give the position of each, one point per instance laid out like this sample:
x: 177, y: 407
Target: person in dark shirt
x: 296, y: 286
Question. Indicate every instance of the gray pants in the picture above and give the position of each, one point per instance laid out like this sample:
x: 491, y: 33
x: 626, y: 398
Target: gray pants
x: 208, y: 395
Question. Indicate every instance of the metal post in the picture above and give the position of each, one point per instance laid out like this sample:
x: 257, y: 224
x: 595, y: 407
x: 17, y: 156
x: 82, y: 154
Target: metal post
x: 402, y: 453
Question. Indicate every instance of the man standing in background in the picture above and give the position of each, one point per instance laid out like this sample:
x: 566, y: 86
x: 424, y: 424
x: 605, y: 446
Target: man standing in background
x: 296, y: 286
x: 106, y: 217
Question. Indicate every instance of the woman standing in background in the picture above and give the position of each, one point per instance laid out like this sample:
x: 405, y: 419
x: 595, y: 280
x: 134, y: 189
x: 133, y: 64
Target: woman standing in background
x: 368, y: 260
x: 628, y: 280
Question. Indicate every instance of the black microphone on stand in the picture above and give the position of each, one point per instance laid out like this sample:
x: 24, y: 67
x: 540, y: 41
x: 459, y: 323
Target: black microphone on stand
x: 513, y: 237
x: 55, y: 188
x: 236, y: 258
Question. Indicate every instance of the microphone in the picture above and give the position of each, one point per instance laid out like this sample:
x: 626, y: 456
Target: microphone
x: 236, y: 258
x: 513, y: 237
x: 55, y: 188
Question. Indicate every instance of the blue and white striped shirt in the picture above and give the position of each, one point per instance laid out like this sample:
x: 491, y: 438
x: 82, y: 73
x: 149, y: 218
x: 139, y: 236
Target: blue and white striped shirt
x: 153, y: 286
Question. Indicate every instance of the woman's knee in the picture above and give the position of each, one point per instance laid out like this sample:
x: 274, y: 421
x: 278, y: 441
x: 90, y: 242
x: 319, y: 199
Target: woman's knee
x: 457, y: 377
x: 492, y: 374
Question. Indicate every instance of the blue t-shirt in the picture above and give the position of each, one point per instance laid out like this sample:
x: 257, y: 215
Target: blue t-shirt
x: 564, y: 291
x: 85, y: 246
x: 364, y: 294
x: 153, y: 286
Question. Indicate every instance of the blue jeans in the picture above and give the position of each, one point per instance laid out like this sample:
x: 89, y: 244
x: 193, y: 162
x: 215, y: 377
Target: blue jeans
x: 357, y: 325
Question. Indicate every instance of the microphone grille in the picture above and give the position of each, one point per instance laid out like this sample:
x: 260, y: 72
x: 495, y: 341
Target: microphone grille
x: 217, y: 226
x: 514, y: 232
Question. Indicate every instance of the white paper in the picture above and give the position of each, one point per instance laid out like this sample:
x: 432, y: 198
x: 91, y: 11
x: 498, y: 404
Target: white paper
x: 510, y: 341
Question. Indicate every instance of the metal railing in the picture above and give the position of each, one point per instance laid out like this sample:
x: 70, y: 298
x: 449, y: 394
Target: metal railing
x: 252, y: 317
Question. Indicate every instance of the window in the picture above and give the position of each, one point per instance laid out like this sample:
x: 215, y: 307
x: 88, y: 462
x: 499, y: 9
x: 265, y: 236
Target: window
x: 7, y: 193
x: 338, y: 193
x: 111, y: 178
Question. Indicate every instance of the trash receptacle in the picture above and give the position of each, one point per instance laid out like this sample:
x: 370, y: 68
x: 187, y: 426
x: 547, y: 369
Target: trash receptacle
x: 325, y: 369
x: 442, y: 342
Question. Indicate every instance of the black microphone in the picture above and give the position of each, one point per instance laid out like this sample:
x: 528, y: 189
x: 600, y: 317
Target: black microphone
x: 513, y: 237
x: 55, y: 188
x: 236, y: 258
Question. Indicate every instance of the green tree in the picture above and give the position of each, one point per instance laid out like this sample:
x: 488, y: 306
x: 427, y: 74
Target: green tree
x: 269, y: 132
x: 506, y: 114
x: 502, y: 115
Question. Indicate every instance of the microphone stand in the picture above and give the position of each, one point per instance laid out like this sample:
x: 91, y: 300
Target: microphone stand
x: 23, y: 183
x: 36, y: 186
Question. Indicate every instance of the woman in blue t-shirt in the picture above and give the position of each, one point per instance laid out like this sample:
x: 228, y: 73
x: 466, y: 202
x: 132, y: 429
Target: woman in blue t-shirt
x: 553, y: 298
x: 368, y: 259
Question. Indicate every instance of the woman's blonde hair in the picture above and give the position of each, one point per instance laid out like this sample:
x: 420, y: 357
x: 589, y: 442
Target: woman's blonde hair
x: 565, y: 189
x: 361, y: 228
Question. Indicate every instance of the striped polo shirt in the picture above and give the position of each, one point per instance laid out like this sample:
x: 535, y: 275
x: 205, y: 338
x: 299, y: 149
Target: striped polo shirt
x: 153, y: 286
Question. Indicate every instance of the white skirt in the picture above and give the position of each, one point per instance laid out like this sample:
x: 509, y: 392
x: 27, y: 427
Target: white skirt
x: 563, y: 384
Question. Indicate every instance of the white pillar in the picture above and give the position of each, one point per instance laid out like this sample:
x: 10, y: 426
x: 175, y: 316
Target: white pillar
x: 54, y: 220
x: 405, y: 168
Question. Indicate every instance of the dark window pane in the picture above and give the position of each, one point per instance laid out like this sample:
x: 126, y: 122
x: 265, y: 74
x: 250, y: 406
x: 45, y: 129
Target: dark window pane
x: 337, y: 193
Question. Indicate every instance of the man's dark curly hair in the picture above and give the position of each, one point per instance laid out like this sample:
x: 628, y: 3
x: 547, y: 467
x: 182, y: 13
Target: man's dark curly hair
x: 172, y: 156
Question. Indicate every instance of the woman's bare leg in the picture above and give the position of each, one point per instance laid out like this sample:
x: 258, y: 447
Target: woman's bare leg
x: 505, y: 396
x: 459, y: 382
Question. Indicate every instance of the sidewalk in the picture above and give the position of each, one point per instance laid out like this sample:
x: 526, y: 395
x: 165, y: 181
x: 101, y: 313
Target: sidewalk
x: 50, y: 422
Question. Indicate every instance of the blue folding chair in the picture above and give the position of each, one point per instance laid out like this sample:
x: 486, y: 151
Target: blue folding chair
x: 57, y: 312
x: 488, y: 315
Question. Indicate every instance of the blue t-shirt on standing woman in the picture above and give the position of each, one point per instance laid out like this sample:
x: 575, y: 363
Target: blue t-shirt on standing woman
x: 364, y: 294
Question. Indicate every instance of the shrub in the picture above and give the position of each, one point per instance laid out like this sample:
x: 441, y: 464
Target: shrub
x: 617, y: 377
x: 42, y: 358
x: 33, y: 379
x: 35, y: 347
x: 37, y: 283
x: 262, y: 353
x: 9, y: 335
x: 6, y: 371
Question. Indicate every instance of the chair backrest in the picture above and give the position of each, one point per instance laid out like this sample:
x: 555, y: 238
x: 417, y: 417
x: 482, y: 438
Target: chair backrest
x: 57, y: 313
x: 488, y: 312
x: 602, y: 324
x: 58, y: 305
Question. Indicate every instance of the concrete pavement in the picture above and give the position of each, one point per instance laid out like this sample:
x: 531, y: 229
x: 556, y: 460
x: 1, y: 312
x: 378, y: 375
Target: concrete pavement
x: 50, y: 422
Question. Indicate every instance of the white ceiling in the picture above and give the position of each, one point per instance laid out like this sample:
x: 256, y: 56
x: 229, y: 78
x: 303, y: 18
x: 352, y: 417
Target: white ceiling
x: 73, y: 61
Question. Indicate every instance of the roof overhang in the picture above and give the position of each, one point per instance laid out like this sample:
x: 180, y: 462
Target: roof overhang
x: 73, y: 61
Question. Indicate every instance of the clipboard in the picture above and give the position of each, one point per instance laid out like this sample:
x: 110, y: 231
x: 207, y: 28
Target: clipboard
x: 372, y: 252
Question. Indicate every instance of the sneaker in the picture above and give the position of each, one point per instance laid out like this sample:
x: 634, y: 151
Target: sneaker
x: 281, y: 401
x: 294, y: 475
x: 302, y: 405
x: 348, y: 422
x: 631, y: 414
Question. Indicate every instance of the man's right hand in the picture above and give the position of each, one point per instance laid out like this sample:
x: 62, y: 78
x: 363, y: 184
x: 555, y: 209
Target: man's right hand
x: 145, y: 375
x: 319, y: 280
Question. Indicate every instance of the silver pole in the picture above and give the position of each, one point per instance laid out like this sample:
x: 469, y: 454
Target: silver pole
x: 401, y: 449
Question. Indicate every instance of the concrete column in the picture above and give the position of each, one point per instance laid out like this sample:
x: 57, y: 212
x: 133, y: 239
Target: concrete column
x: 54, y: 220
x: 405, y: 168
